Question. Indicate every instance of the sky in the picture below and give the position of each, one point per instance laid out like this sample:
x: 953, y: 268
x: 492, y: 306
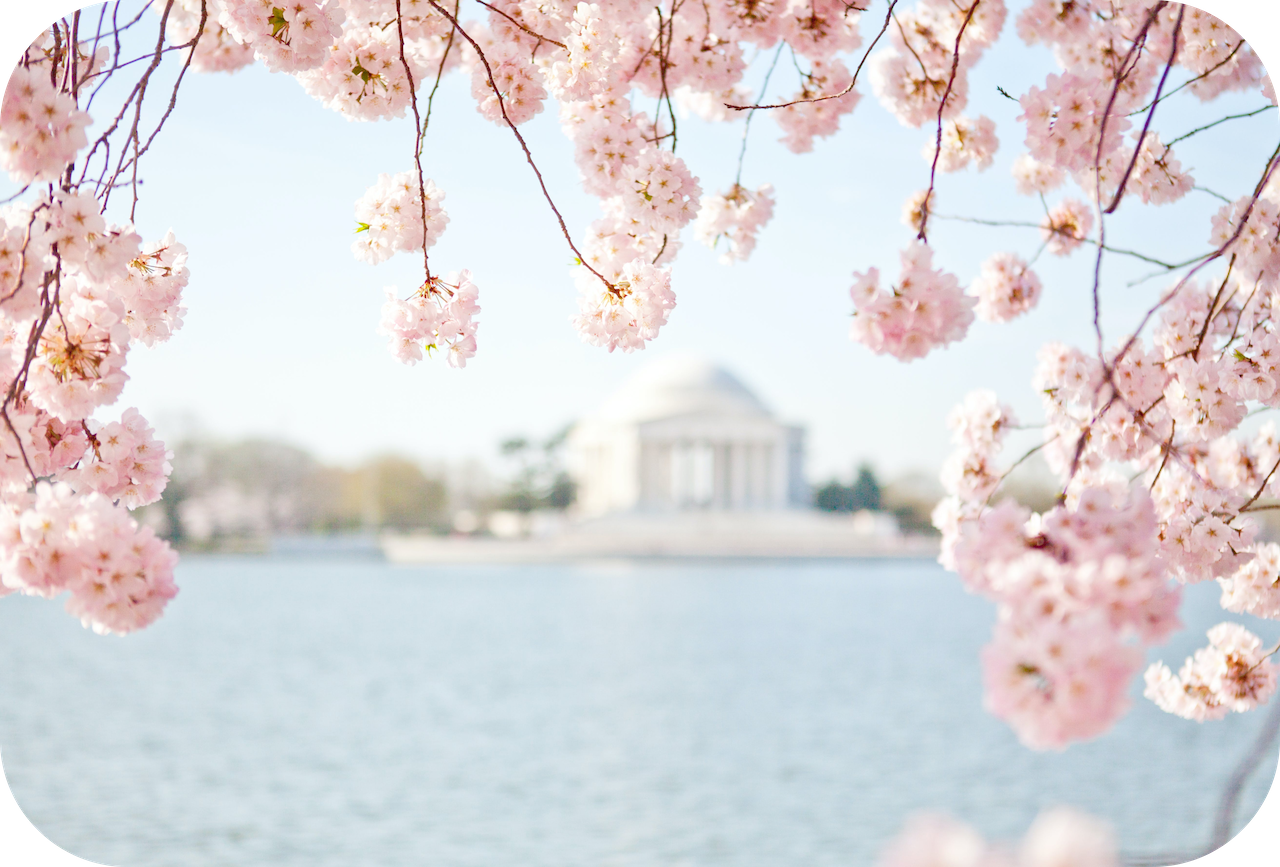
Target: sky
x: 259, y: 181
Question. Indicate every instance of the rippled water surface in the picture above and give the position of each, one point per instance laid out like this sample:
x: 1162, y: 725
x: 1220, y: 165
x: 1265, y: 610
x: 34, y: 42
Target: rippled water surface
x: 294, y: 712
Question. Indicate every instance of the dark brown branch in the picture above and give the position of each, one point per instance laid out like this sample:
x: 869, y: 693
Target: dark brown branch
x: 417, y: 142
x: 1235, y: 236
x: 533, y: 33
x: 1146, y: 126
x: 942, y: 106
x: 1261, y: 487
x: 502, y: 105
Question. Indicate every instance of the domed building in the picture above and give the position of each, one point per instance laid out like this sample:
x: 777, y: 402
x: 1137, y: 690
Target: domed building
x: 685, y: 435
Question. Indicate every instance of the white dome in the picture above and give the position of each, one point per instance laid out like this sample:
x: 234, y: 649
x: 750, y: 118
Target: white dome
x: 677, y: 385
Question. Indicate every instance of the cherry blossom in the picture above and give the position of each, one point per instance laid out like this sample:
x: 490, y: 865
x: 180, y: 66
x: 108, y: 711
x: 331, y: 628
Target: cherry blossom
x: 1006, y: 288
x: 439, y: 316
x: 1066, y: 226
x: 924, y: 310
x: 389, y: 218
x: 40, y: 128
x: 627, y: 313
x: 1233, y: 673
x: 737, y: 217
x: 1160, y: 476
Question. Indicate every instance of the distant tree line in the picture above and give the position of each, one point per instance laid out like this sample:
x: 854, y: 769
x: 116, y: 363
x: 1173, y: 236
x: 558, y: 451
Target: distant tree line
x: 237, y: 495
x: 864, y: 493
x: 539, y: 480
x: 910, y: 504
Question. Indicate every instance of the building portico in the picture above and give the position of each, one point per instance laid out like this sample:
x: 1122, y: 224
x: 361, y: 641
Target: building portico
x: 686, y: 435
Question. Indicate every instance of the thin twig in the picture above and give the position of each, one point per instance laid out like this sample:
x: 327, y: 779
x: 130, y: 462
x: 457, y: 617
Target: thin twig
x: 523, y: 145
x: 533, y: 33
x: 417, y: 144
x: 887, y: 18
x: 1137, y: 148
x: 1168, y: 266
x: 746, y: 126
x: 1190, y: 81
x: 1198, y: 129
x: 431, y: 97
x: 942, y: 106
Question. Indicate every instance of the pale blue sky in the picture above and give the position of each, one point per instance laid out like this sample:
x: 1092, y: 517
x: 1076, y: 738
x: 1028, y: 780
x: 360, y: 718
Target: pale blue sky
x: 259, y: 181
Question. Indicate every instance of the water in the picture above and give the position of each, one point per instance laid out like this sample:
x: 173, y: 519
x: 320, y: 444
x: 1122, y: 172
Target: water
x: 292, y: 712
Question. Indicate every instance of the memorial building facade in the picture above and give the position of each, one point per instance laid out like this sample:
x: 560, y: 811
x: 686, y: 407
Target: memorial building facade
x: 686, y: 435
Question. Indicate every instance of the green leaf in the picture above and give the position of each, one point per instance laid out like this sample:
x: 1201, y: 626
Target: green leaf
x: 277, y: 22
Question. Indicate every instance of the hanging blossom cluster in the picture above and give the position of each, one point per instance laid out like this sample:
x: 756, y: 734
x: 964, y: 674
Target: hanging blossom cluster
x: 439, y: 316
x: 77, y: 294
x: 736, y: 217
x: 628, y: 313
x: 1233, y: 673
x: 370, y: 59
x: 924, y: 309
x: 1159, y: 483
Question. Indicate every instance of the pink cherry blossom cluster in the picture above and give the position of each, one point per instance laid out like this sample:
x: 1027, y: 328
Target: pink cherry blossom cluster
x: 922, y: 75
x: 926, y: 308
x: 77, y: 293
x: 1059, y: 837
x: 217, y: 49
x: 737, y: 217
x: 1079, y: 585
x: 41, y: 129
x: 978, y: 428
x: 520, y: 92
x: 1066, y: 226
x: 807, y: 118
x: 389, y: 218
x: 1006, y: 288
x: 1215, y: 54
x: 292, y: 37
x: 151, y: 290
x: 439, y: 316
x: 965, y: 142
x: 1158, y: 485
x: 53, y: 540
x: 1066, y: 119
x: 1254, y: 588
x: 1255, y: 227
x: 1032, y: 176
x: 627, y: 313
x: 1233, y: 673
x: 1075, y: 588
x: 126, y: 463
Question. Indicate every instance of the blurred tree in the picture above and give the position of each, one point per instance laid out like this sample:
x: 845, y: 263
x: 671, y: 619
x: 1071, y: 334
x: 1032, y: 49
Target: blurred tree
x: 865, y: 493
x: 403, y: 497
x: 240, y: 494
x: 539, y: 480
x: 834, y: 497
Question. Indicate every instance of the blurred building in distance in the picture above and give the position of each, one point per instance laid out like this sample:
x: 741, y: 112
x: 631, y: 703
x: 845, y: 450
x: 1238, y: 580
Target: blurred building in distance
x: 686, y: 435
